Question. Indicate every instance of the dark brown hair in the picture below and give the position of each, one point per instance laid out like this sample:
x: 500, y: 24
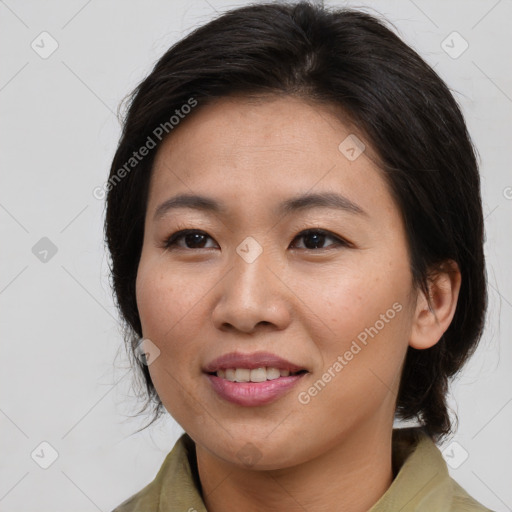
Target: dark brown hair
x: 344, y: 58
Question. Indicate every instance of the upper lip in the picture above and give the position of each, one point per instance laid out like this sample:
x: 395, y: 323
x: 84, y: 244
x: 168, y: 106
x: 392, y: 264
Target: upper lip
x: 250, y: 361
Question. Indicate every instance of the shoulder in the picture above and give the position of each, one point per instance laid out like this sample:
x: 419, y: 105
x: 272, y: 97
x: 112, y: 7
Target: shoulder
x: 423, y: 482
x: 463, y: 502
x: 146, y: 500
x: 173, y: 481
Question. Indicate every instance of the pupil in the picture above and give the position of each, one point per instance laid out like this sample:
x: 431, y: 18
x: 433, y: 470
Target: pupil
x: 318, y: 238
x: 194, y: 238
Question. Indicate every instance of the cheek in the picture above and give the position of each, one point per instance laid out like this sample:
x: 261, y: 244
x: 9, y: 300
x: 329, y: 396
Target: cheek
x: 353, y: 298
x: 170, y: 310
x: 361, y: 345
x: 366, y: 320
x: 167, y: 299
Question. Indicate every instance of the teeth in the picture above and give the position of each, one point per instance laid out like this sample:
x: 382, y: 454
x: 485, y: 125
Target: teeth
x: 273, y: 373
x: 254, y: 375
x: 258, y: 375
x: 242, y: 375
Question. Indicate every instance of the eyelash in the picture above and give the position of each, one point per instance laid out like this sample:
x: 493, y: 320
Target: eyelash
x: 170, y: 242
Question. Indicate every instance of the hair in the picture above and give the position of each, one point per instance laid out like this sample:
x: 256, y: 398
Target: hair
x: 341, y: 58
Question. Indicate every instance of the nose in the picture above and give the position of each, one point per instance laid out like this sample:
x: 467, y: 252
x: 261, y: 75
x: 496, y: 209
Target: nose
x: 253, y: 296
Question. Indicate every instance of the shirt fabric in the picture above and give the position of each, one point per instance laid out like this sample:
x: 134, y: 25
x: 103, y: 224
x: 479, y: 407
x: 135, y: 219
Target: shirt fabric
x: 421, y: 483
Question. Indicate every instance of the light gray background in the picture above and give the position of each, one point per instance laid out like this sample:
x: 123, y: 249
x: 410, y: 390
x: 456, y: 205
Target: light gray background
x: 64, y: 378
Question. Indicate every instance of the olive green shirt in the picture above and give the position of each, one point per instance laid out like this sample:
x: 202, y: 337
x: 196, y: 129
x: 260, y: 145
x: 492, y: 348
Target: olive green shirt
x: 421, y: 482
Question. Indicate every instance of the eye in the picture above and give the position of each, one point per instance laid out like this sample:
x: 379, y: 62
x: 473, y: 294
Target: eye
x: 197, y: 239
x: 193, y: 239
x: 316, y: 237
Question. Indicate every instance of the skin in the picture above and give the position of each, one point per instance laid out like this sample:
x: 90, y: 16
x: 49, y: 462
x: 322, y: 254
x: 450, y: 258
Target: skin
x: 305, y: 305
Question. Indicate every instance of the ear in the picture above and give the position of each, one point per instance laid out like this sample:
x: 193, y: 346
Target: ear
x: 432, y: 320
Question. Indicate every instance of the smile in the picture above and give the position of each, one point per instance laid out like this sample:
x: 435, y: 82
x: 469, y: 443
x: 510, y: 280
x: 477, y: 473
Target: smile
x: 253, y: 375
x: 251, y: 393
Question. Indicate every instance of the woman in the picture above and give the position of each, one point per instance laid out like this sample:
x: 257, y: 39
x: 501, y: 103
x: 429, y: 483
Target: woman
x: 296, y: 231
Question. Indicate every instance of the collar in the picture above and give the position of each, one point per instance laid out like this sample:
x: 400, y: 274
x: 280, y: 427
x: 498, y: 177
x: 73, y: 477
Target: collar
x: 422, y: 482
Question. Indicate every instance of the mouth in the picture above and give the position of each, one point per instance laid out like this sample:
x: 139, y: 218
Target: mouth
x: 253, y: 387
x: 251, y: 380
x: 261, y: 374
x: 242, y: 367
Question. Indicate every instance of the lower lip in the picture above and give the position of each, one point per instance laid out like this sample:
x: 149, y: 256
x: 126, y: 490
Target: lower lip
x: 252, y: 394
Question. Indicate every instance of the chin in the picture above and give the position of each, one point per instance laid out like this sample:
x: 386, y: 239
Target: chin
x: 258, y: 452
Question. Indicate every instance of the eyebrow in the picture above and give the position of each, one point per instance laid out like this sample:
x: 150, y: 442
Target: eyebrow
x: 294, y: 204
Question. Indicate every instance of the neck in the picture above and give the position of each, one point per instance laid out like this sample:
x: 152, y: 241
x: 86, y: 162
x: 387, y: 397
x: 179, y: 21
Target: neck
x: 350, y: 476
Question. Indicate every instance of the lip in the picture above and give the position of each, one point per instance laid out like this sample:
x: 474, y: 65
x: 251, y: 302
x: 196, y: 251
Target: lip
x: 251, y: 361
x: 252, y: 394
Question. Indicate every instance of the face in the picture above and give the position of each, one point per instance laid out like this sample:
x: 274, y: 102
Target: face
x: 322, y: 282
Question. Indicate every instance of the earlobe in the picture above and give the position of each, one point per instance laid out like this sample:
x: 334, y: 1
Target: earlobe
x: 432, y: 318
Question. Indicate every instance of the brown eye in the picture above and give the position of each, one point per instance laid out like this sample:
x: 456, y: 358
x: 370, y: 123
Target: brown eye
x: 192, y: 238
x: 315, y: 239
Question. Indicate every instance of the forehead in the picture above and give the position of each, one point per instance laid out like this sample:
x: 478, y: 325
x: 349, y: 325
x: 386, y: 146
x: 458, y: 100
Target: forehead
x: 263, y: 151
